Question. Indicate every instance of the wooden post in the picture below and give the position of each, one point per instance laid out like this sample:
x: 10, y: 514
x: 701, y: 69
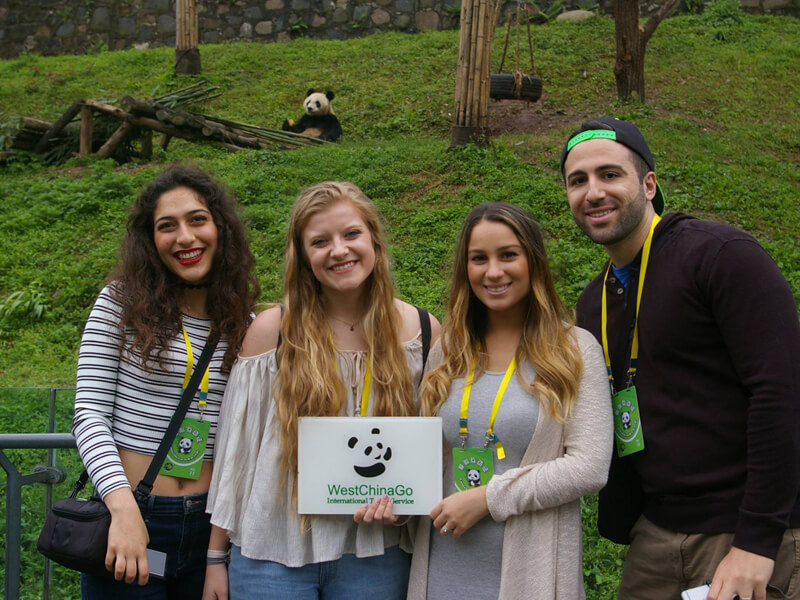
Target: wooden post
x: 478, y: 19
x: 147, y: 145
x: 187, y: 54
x: 87, y: 121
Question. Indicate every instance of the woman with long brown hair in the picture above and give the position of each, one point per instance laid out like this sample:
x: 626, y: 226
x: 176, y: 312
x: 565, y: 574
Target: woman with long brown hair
x: 339, y: 321
x: 185, y: 270
x: 526, y: 417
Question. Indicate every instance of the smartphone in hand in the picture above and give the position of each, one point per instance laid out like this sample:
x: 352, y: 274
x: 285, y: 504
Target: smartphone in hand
x: 698, y: 593
x: 157, y: 563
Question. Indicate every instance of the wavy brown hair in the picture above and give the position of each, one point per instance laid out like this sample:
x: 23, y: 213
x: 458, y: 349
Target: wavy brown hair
x: 547, y: 342
x: 307, y: 383
x: 150, y: 293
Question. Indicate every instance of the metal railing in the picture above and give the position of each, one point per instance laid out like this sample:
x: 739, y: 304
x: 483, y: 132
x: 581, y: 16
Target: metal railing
x: 48, y: 473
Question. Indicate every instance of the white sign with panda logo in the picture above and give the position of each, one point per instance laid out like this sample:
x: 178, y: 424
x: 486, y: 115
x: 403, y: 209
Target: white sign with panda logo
x: 345, y: 462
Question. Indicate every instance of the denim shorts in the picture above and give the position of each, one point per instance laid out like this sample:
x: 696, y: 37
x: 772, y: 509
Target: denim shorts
x: 179, y: 527
x: 348, y: 578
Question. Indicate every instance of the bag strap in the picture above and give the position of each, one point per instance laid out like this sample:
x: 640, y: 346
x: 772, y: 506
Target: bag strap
x: 80, y: 483
x: 425, y: 327
x: 146, y: 484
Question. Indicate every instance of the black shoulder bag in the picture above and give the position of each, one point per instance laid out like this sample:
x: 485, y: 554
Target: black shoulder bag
x: 75, y: 532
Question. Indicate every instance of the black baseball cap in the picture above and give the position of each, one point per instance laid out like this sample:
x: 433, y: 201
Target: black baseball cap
x: 624, y: 133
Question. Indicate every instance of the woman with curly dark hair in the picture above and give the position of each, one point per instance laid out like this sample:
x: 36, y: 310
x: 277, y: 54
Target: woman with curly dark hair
x: 185, y: 270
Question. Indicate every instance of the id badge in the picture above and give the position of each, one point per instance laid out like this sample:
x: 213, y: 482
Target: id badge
x: 472, y: 467
x: 185, y: 456
x: 628, y: 436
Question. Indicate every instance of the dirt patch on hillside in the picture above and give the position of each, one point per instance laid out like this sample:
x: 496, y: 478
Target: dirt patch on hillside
x: 518, y: 116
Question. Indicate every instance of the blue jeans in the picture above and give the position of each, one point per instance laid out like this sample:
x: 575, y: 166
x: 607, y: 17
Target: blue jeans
x: 383, y: 577
x: 179, y: 527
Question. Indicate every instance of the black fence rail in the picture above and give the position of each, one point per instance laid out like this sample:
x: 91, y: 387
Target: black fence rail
x: 22, y: 408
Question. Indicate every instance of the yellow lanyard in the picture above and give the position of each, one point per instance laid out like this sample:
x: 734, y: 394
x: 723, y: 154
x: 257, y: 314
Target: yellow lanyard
x: 365, y: 389
x: 604, y: 311
x: 491, y: 436
x: 188, y: 374
x: 367, y: 382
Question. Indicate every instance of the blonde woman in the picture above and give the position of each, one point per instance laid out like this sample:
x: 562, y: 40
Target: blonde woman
x: 309, y: 358
x: 527, y: 424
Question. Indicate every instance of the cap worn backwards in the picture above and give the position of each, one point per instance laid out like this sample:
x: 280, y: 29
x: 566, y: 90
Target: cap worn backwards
x: 624, y: 133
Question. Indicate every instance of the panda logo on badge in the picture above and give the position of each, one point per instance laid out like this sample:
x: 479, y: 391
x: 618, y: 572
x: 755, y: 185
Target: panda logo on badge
x: 185, y: 445
x: 374, y: 451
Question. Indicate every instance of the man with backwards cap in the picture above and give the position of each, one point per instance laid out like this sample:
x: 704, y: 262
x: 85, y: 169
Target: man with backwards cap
x: 702, y: 344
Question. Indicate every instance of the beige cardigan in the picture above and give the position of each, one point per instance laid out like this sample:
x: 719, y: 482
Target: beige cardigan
x: 540, y: 500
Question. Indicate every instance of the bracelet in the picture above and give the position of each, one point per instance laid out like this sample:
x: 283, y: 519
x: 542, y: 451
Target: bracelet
x: 218, y: 557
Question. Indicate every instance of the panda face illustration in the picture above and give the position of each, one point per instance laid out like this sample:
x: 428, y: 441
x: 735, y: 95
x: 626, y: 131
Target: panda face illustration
x: 373, y: 451
x: 185, y: 445
x: 474, y: 477
x: 626, y: 420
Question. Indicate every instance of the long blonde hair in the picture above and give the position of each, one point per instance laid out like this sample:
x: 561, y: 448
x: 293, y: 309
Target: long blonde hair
x: 547, y: 341
x: 307, y: 383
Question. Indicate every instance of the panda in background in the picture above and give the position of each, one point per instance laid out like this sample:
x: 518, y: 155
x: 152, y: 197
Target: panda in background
x: 318, y: 119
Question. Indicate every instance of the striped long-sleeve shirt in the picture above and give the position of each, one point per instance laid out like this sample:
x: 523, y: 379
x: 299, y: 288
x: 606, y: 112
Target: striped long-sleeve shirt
x: 120, y: 404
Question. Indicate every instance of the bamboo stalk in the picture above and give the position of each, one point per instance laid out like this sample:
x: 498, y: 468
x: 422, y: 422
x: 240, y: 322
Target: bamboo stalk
x: 463, y: 61
x: 473, y: 108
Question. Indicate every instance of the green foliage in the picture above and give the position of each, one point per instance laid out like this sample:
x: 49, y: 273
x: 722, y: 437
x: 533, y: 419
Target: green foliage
x: 23, y: 305
x: 725, y: 20
x: 721, y: 13
x: 719, y: 123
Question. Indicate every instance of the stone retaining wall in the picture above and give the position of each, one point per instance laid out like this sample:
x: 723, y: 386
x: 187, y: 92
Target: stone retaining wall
x: 78, y: 26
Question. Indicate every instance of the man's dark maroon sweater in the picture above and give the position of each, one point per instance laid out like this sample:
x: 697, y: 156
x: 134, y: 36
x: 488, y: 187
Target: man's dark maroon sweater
x: 718, y: 384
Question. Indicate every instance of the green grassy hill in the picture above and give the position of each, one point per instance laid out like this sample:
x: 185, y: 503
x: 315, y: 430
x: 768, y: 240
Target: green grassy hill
x: 722, y: 121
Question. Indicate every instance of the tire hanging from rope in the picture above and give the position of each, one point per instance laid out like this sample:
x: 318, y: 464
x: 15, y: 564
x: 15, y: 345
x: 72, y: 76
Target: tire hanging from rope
x: 516, y: 86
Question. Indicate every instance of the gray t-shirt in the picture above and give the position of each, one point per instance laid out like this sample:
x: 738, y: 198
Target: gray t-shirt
x: 469, y: 567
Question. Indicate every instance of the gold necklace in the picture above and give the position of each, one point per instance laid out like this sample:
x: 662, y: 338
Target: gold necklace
x: 352, y: 325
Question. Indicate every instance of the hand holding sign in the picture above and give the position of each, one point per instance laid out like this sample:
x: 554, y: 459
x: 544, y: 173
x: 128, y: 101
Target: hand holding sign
x: 379, y: 510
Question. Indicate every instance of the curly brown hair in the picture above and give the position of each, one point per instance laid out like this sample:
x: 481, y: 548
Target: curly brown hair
x: 149, y: 292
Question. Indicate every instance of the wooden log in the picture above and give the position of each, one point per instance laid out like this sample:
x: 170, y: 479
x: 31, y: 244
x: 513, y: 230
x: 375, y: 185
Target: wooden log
x: 165, y: 138
x: 36, y: 124
x: 108, y: 109
x: 137, y: 107
x: 19, y: 143
x: 119, y: 136
x: 86, y: 137
x: 58, y: 126
x: 146, y: 152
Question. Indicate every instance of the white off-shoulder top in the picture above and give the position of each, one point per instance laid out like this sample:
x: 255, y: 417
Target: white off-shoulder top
x: 244, y: 498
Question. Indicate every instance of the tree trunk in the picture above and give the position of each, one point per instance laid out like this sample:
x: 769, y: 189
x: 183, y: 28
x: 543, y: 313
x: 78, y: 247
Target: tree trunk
x: 632, y: 40
x: 187, y: 54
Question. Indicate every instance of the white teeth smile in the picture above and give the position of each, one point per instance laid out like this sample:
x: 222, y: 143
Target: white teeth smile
x: 497, y: 290
x: 602, y: 214
x: 344, y: 266
x: 188, y: 255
